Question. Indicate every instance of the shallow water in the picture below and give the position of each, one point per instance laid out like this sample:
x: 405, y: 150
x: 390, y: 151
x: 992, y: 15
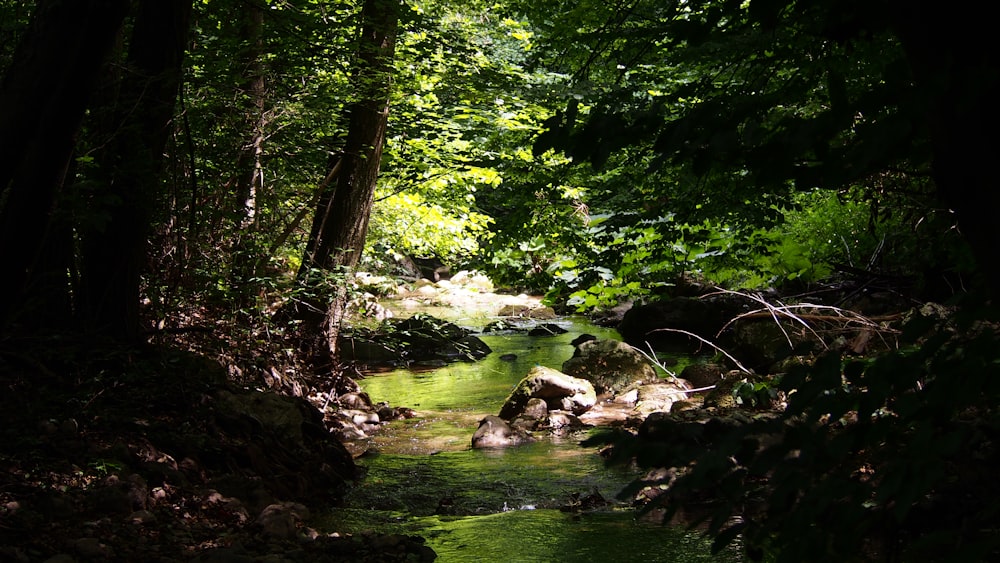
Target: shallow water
x: 423, y: 477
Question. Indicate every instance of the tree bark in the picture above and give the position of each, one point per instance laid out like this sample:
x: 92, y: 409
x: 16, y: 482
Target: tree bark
x: 42, y: 103
x: 248, y: 180
x: 957, y: 68
x: 341, y: 221
x: 114, y: 252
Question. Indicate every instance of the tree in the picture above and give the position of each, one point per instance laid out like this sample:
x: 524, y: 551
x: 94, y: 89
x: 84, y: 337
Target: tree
x: 128, y: 169
x: 341, y: 221
x: 44, y: 96
x: 744, y: 103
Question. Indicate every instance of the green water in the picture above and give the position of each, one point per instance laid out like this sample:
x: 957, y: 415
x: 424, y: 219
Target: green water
x: 510, y: 504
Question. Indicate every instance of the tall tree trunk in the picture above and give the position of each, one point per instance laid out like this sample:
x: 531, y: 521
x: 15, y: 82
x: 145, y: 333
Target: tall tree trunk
x: 960, y: 78
x: 341, y: 221
x: 130, y: 169
x: 249, y: 169
x: 42, y: 102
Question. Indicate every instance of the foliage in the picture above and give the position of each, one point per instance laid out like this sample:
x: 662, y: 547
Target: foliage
x: 891, y: 457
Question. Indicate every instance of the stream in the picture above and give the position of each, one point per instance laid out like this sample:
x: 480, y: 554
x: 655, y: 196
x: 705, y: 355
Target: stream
x: 423, y: 478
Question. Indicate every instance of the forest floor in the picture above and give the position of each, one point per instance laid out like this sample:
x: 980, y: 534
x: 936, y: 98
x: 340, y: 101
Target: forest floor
x: 124, y: 455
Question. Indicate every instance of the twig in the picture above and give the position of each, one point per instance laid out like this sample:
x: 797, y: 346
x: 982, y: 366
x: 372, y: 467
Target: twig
x: 652, y: 357
x: 720, y: 350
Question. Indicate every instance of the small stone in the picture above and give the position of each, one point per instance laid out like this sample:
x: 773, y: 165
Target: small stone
x: 142, y: 517
x: 91, y: 547
x: 69, y: 427
x: 48, y: 427
x: 279, y: 520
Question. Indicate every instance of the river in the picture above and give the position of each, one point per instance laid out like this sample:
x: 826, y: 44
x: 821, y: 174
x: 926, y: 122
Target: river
x: 509, y: 505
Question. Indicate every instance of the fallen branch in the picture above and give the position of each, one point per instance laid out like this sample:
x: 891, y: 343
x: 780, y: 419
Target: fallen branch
x: 720, y: 350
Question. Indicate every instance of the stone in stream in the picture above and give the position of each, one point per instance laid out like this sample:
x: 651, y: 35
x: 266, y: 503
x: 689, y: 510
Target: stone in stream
x: 547, y: 329
x: 558, y: 390
x: 611, y: 366
x: 495, y: 432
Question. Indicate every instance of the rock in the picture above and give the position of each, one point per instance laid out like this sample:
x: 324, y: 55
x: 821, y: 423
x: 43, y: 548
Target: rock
x: 535, y: 409
x: 280, y: 414
x: 91, y: 548
x: 541, y: 313
x: 722, y: 396
x: 760, y: 343
x: 421, y: 339
x: 705, y: 317
x: 558, y: 390
x: 366, y: 352
x: 120, y: 495
x: 356, y: 401
x: 142, y: 517
x: 562, y: 419
x: 279, y: 520
x: 703, y: 375
x: 611, y: 366
x: 658, y: 397
x: 495, y: 432
x: 547, y: 329
x: 473, y: 280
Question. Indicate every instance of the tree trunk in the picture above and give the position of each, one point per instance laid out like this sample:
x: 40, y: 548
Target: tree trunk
x: 42, y: 102
x: 129, y: 170
x: 249, y: 167
x: 960, y: 76
x: 341, y: 221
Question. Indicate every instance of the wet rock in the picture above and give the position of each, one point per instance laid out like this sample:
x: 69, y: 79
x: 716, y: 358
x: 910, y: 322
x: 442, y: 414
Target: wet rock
x: 495, y: 432
x: 558, y: 390
x: 557, y: 420
x: 365, y: 351
x: 658, y: 397
x: 535, y: 409
x: 547, y: 329
x: 420, y: 339
x: 611, y: 366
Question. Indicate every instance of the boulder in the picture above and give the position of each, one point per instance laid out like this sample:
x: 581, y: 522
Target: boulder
x: 702, y: 316
x: 495, y: 432
x: 558, y: 390
x: 611, y: 366
x: 761, y: 343
x: 418, y: 339
x: 284, y: 416
x: 703, y: 375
